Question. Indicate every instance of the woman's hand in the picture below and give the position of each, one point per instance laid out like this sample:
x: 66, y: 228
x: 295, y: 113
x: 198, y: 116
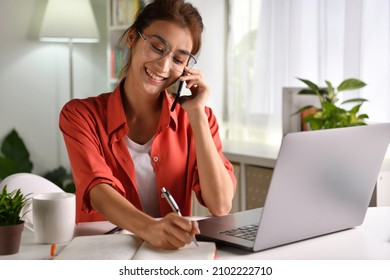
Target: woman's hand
x: 199, y: 91
x: 171, y: 232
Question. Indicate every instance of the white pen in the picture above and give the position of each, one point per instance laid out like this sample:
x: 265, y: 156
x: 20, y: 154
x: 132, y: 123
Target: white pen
x: 173, y: 204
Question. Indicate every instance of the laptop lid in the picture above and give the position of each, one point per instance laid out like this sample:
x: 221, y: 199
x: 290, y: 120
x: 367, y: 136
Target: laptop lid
x: 322, y: 183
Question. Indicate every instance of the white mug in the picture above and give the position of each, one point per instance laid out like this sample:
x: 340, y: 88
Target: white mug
x: 53, y: 217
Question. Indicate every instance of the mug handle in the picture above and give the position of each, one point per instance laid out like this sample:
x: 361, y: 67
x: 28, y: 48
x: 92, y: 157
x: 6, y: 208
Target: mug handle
x: 27, y: 208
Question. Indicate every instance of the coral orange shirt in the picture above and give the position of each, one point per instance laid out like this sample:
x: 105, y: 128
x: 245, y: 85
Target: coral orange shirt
x: 94, y: 131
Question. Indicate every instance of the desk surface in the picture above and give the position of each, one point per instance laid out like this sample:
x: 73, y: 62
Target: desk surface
x: 371, y: 240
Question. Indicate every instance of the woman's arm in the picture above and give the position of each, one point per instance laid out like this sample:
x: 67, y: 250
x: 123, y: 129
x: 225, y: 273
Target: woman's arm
x: 216, y: 184
x: 171, y: 232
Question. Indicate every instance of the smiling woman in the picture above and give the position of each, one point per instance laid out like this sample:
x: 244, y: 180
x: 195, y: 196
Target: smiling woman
x: 125, y: 146
x: 186, y: 19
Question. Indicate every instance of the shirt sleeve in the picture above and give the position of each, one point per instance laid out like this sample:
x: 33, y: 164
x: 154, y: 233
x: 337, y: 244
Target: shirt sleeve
x: 81, y: 131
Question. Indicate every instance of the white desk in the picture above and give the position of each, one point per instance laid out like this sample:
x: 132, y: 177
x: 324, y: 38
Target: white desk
x: 371, y: 240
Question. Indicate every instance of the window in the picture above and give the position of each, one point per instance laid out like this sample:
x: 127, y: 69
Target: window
x: 271, y: 42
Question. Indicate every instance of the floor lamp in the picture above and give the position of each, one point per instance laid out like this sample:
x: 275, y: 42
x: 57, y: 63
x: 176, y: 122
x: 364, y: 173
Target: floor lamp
x: 69, y: 21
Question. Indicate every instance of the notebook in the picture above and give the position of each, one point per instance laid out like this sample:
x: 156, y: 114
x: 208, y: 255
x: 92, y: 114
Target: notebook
x: 129, y: 246
x: 322, y: 183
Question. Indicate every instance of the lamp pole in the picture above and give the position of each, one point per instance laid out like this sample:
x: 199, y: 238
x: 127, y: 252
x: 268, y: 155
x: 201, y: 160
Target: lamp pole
x: 71, y: 94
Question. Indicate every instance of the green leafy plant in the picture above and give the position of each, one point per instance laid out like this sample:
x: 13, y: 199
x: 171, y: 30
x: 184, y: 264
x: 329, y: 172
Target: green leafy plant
x: 11, y: 204
x: 330, y: 115
x: 61, y: 178
x: 14, y: 156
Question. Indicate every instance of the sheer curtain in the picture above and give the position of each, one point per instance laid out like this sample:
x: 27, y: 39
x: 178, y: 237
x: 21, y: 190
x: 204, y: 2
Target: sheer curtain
x: 272, y: 42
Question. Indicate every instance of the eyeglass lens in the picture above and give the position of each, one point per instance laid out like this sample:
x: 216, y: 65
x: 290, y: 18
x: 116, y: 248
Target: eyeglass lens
x: 155, y: 48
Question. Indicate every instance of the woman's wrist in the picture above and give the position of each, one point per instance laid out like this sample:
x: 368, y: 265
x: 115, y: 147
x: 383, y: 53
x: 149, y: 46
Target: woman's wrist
x: 143, y: 226
x: 196, y: 115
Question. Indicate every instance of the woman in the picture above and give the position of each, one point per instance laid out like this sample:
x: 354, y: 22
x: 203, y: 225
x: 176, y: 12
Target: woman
x: 125, y: 146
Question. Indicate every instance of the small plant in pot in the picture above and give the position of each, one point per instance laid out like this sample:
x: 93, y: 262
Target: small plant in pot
x: 330, y: 114
x: 11, y: 224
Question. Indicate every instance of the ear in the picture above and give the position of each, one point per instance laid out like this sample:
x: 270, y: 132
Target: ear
x: 131, y: 37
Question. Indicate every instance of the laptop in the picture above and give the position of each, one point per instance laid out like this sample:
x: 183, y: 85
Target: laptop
x: 322, y: 183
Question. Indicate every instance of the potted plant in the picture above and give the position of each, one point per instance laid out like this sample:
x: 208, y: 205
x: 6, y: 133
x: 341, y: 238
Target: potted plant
x: 330, y: 115
x: 11, y: 225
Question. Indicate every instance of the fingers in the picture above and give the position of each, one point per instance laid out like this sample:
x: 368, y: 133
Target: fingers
x: 172, y: 232
x: 196, y: 101
x: 193, y: 78
x: 176, y: 239
x: 181, y: 229
x: 195, y: 227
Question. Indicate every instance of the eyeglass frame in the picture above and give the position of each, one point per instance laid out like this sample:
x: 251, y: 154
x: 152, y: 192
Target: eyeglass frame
x: 168, y: 50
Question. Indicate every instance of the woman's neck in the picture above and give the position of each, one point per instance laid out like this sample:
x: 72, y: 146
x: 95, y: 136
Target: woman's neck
x: 142, y: 112
x: 138, y: 102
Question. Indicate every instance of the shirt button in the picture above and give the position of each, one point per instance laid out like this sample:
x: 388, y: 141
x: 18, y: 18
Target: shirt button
x: 155, y: 159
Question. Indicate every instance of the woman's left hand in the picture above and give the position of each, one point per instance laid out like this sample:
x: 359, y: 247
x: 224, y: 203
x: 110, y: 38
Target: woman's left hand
x: 199, y: 91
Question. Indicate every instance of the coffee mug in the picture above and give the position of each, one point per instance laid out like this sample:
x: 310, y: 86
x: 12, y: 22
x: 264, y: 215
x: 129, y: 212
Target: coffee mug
x: 53, y: 217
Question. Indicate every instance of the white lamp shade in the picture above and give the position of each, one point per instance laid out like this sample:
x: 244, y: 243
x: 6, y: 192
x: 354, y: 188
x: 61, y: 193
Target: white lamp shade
x: 69, y: 20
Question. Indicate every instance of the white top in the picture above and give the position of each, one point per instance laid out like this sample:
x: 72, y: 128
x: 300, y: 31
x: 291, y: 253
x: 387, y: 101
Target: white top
x: 146, y: 178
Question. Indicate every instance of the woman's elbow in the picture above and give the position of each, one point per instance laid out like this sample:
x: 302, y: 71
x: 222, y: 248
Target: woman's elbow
x: 221, y: 210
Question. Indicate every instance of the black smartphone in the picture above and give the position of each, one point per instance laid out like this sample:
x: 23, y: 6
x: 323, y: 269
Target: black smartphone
x: 178, y: 92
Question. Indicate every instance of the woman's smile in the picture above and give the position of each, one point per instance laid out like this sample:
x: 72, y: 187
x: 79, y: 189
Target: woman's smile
x: 154, y: 75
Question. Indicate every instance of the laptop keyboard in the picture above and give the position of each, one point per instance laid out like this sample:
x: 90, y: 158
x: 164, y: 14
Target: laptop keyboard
x: 246, y: 232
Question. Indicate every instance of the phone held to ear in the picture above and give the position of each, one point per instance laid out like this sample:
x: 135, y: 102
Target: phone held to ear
x: 179, y: 89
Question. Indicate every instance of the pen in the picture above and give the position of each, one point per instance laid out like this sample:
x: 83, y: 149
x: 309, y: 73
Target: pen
x: 114, y: 230
x: 173, y: 205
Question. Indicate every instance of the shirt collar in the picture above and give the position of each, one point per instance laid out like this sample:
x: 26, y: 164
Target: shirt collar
x: 168, y: 118
x: 116, y: 118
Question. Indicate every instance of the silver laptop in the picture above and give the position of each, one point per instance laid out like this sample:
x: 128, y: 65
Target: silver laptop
x: 322, y: 183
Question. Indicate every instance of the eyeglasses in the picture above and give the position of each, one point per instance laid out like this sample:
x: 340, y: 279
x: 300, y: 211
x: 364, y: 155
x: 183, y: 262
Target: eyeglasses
x: 156, y: 48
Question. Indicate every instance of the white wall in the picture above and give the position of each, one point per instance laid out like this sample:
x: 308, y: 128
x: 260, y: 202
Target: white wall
x: 212, y: 55
x: 34, y: 78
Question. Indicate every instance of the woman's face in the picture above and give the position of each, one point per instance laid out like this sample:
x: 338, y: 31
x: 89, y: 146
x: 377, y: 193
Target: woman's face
x: 154, y: 75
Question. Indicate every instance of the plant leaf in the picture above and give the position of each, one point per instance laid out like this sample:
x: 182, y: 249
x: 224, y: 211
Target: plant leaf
x: 11, y: 204
x: 7, y: 167
x: 355, y: 109
x: 13, y: 147
x: 361, y: 100
x: 331, y: 96
x: 351, y: 84
x: 61, y: 178
x: 363, y: 116
x: 315, y: 125
x: 307, y: 92
x: 57, y: 176
x: 16, y: 157
x: 311, y: 85
x: 70, y: 188
x: 328, y: 107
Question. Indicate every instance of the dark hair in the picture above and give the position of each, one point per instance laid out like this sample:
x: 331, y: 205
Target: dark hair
x: 176, y: 11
